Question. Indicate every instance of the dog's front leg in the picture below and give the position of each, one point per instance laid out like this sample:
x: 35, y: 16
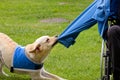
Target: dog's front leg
x: 37, y: 76
x: 1, y: 69
x: 1, y: 65
x: 49, y: 75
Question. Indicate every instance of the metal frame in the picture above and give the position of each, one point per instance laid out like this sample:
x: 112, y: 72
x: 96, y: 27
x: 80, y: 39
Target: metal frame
x: 105, y: 63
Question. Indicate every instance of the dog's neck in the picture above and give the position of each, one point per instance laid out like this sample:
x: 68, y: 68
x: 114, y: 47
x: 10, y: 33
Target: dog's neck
x: 37, y: 58
x: 37, y: 52
x: 34, y: 58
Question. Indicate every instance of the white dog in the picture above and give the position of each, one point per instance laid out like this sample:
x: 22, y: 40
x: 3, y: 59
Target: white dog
x: 28, y: 59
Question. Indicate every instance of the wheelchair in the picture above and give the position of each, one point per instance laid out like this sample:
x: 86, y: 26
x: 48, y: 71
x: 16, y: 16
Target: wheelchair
x: 105, y: 62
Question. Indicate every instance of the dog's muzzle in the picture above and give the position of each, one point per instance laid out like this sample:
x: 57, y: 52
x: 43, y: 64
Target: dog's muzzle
x: 55, y: 41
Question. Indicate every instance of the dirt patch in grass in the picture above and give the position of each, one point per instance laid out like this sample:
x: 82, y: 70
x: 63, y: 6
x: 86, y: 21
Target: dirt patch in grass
x: 54, y: 20
x: 62, y: 3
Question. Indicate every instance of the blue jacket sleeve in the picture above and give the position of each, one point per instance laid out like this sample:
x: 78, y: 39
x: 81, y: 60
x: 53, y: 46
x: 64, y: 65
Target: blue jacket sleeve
x: 82, y: 22
x: 97, y: 12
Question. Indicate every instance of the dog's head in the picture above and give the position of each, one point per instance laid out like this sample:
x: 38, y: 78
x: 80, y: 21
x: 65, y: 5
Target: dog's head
x: 39, y: 50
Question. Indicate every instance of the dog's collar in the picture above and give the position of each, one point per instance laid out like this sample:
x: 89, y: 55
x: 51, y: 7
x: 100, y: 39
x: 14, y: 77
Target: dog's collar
x: 21, y: 61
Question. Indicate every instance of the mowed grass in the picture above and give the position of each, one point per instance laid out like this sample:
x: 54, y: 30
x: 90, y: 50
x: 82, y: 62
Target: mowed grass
x: 20, y: 19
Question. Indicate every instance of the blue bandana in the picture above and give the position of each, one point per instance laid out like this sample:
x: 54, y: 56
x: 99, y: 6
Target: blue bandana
x: 21, y: 61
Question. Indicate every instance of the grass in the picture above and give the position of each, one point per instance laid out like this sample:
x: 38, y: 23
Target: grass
x: 20, y: 19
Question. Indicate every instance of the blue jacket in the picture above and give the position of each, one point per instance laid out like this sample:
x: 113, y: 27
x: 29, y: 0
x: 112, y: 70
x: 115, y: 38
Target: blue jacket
x: 98, y: 12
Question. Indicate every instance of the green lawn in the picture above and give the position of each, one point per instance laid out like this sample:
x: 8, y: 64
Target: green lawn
x: 20, y: 19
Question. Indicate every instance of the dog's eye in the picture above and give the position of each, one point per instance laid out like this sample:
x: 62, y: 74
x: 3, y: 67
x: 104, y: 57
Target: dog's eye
x: 47, y: 40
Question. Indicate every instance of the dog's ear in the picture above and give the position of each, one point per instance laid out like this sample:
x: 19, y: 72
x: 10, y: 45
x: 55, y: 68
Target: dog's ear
x: 34, y: 47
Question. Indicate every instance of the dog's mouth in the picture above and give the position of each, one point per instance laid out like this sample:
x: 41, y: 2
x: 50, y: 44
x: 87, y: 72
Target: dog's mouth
x: 56, y: 41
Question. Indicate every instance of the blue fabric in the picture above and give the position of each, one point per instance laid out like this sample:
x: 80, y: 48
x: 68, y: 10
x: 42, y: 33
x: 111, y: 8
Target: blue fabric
x: 102, y: 14
x: 21, y: 61
x: 97, y: 12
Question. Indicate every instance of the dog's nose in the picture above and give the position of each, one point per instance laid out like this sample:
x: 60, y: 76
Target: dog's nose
x: 56, y: 36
